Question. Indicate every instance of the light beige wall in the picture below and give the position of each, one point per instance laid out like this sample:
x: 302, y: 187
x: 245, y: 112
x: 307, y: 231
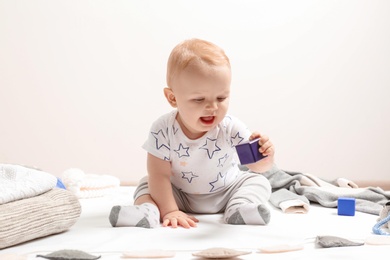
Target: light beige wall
x: 81, y: 81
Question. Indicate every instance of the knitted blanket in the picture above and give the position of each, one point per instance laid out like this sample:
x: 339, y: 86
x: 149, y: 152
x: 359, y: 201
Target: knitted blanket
x: 49, y: 213
x: 87, y: 185
x: 18, y: 182
x: 295, y: 191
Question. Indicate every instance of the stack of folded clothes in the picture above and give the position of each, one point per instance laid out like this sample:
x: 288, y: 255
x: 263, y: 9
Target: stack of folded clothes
x: 33, y: 204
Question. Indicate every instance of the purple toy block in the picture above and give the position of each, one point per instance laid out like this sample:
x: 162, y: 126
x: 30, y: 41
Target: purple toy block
x: 249, y: 152
x: 346, y: 206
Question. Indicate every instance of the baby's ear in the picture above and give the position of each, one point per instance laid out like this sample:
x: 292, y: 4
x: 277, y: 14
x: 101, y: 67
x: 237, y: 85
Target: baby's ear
x: 170, y: 96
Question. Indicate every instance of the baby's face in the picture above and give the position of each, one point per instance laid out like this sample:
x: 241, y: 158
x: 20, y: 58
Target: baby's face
x: 202, y: 99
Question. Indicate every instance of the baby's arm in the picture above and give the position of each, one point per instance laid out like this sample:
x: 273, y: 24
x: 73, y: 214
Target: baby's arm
x: 161, y: 192
x: 266, y: 149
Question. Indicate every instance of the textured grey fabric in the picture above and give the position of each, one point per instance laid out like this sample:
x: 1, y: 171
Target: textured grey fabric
x: 368, y: 200
x: 332, y: 241
x: 69, y: 255
x: 282, y: 195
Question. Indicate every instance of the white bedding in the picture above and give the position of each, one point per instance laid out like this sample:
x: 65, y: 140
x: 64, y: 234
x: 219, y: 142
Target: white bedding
x: 93, y: 234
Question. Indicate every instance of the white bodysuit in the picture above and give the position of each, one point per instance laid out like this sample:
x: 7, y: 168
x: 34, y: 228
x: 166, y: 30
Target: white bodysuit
x: 202, y: 166
x: 205, y: 174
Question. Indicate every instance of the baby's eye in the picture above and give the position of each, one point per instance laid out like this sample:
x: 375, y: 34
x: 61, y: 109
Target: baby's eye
x: 220, y: 99
x: 198, y: 100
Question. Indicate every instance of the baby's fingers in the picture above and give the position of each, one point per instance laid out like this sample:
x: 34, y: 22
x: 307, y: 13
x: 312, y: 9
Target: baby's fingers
x: 263, y: 140
x: 180, y: 221
x: 186, y: 223
x: 267, y: 149
x: 193, y: 219
x: 170, y: 222
x: 254, y: 136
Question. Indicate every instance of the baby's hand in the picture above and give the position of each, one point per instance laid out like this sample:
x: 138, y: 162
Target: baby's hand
x: 266, y: 146
x: 179, y: 218
x: 266, y: 149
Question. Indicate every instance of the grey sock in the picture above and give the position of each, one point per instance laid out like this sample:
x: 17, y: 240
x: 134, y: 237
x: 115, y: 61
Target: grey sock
x: 114, y: 215
x: 248, y: 214
x: 145, y: 215
x: 235, y: 219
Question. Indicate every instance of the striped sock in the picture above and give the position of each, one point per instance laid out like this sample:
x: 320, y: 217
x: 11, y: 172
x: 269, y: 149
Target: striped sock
x: 248, y: 214
x: 145, y: 215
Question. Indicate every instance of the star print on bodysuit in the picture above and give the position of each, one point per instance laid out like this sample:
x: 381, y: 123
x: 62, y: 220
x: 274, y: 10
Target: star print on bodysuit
x: 237, y: 139
x: 160, y: 140
x: 221, y: 161
x: 211, y: 147
x: 189, y: 176
x: 218, y: 183
x: 182, y: 151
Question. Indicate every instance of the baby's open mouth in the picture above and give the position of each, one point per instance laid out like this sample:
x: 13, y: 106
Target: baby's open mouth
x: 207, y: 119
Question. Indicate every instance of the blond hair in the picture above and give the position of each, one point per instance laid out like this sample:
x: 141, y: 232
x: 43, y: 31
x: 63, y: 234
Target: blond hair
x: 196, y: 53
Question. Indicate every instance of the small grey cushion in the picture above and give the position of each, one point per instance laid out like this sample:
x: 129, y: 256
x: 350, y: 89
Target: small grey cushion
x: 69, y: 255
x: 332, y: 241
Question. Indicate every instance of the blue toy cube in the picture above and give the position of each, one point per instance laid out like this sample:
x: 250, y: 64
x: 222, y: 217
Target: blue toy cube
x: 249, y: 152
x: 346, y: 206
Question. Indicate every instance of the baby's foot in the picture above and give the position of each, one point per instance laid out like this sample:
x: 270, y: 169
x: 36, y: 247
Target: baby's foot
x: 248, y: 214
x: 145, y: 215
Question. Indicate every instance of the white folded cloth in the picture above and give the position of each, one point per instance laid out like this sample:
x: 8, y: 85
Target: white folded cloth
x: 19, y: 182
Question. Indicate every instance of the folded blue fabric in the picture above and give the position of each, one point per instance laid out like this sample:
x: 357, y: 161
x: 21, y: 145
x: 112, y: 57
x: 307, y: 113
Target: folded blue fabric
x: 60, y: 184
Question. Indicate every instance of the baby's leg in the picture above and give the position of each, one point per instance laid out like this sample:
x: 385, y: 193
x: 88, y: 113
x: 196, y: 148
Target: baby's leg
x: 145, y: 215
x: 248, y: 205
